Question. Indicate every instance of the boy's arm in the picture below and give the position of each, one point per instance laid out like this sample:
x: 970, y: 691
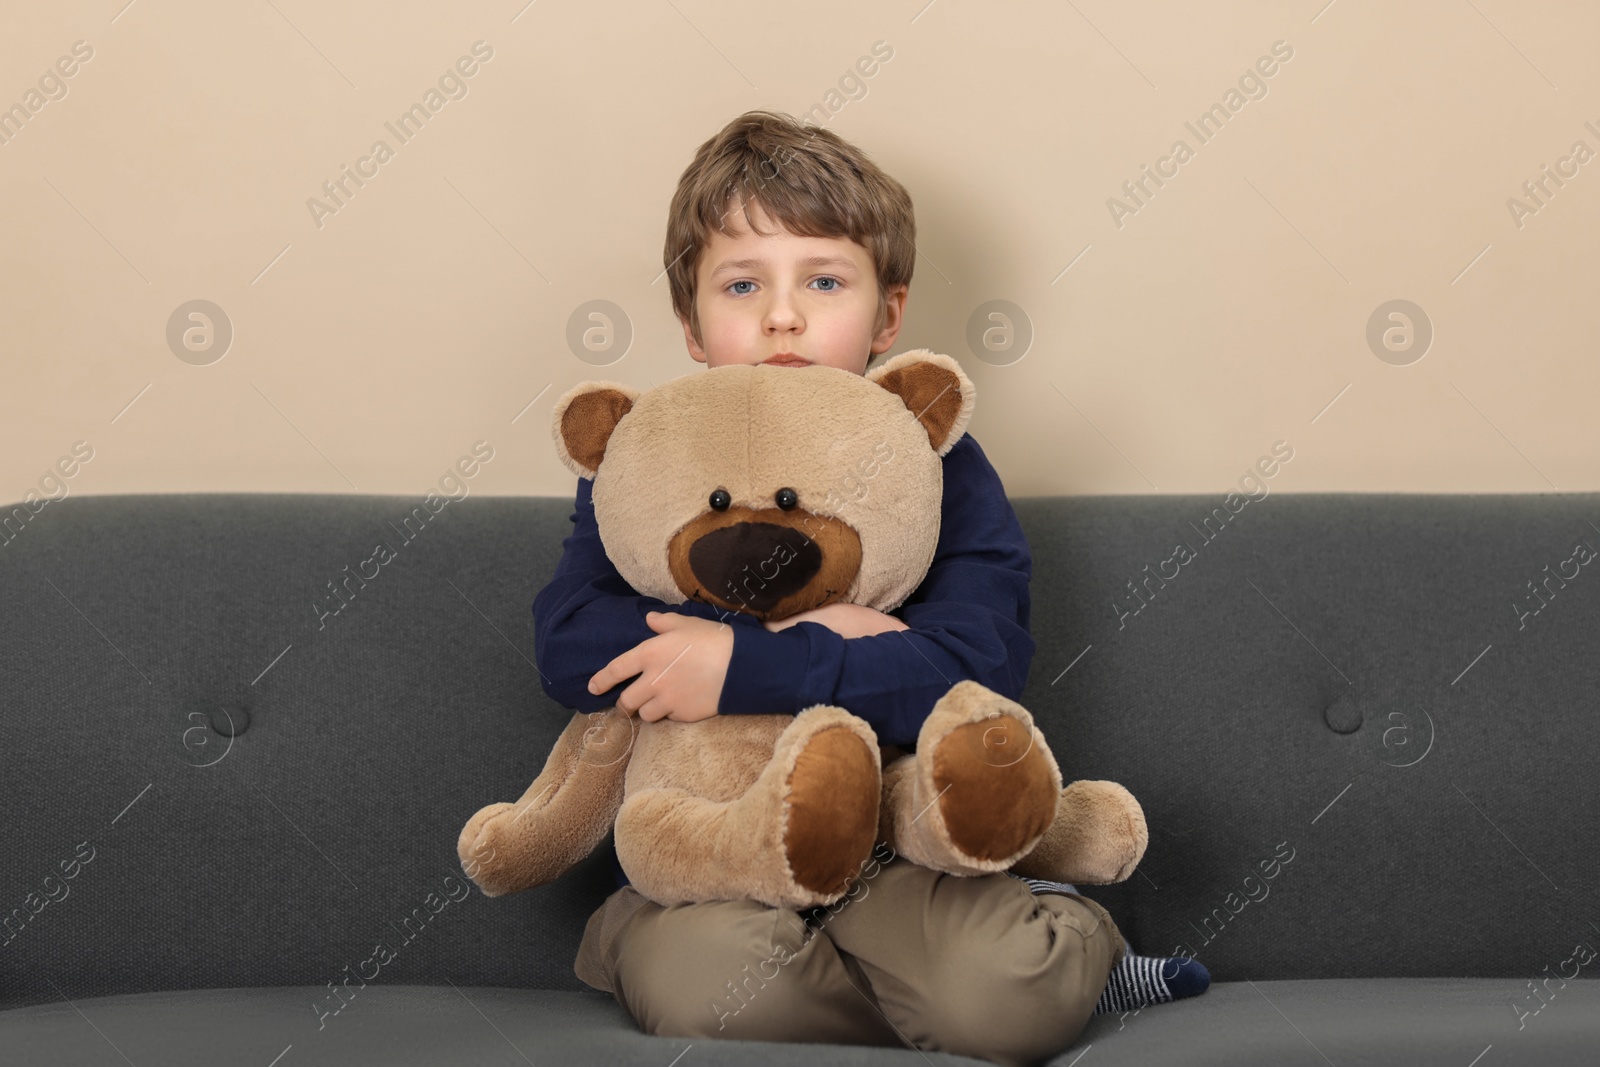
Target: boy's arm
x: 587, y: 615
x: 968, y: 620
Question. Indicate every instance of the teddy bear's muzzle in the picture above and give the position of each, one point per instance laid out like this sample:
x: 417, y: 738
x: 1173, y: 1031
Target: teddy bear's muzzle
x: 767, y: 563
x: 758, y: 564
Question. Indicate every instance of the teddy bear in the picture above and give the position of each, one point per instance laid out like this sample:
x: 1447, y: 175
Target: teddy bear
x: 771, y: 491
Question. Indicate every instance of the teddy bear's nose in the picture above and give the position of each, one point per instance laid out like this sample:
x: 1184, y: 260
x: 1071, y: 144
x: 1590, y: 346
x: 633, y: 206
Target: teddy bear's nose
x: 756, y: 564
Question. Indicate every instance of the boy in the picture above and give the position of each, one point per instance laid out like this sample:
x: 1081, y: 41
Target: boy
x: 788, y: 246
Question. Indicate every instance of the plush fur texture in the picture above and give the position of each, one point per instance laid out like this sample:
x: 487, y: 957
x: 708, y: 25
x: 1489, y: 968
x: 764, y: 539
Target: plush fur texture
x: 774, y: 490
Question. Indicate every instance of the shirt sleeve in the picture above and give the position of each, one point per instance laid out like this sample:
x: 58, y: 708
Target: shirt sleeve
x: 968, y: 620
x: 587, y: 615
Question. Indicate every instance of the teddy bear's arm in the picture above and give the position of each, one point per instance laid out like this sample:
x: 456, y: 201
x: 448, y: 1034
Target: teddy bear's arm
x: 561, y: 817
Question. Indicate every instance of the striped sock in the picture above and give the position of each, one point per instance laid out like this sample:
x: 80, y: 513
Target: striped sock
x: 1043, y: 885
x: 1138, y: 981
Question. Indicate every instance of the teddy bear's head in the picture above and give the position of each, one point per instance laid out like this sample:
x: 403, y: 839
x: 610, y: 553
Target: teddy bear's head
x: 771, y: 490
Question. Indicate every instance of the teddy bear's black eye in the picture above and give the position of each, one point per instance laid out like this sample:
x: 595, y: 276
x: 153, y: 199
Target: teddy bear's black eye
x: 787, y: 498
x: 720, y: 499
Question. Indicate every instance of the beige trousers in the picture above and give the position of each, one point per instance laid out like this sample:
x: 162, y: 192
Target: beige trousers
x: 910, y: 957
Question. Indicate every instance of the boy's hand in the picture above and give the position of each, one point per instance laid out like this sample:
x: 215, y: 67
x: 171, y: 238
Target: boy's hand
x: 681, y: 669
x: 846, y: 620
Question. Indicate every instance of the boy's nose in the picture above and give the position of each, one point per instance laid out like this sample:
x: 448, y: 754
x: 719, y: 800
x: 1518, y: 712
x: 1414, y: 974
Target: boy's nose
x: 755, y: 564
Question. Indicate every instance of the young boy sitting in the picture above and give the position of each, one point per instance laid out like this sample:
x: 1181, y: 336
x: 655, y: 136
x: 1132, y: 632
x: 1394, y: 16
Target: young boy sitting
x: 787, y: 246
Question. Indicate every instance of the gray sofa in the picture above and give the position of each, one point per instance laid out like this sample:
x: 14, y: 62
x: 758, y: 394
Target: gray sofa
x: 1368, y: 765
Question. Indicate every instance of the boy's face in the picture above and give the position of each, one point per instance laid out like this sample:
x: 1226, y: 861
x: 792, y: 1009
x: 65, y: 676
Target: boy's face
x: 813, y: 298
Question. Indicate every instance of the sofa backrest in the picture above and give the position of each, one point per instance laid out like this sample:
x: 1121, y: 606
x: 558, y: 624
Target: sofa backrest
x: 1364, y: 727
x: 1357, y: 755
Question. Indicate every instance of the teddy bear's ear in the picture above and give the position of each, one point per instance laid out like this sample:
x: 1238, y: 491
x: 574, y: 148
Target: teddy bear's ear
x: 583, y: 420
x: 935, y: 389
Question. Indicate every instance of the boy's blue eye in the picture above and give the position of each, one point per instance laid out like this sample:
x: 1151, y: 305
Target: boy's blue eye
x: 745, y: 281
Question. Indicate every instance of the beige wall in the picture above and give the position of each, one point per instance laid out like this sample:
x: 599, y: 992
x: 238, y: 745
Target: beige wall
x: 1171, y: 345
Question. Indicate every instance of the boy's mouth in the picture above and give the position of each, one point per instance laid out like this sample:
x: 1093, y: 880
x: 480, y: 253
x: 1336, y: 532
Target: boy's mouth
x: 785, y: 359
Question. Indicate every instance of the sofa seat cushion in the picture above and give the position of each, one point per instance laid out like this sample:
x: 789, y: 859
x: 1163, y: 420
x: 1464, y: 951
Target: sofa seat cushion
x: 1348, y: 1022
x: 381, y: 1026
x: 1357, y: 1022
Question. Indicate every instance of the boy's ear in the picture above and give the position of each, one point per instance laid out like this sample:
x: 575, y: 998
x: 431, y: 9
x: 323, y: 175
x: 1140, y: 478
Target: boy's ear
x: 696, y: 349
x: 583, y: 420
x: 935, y: 389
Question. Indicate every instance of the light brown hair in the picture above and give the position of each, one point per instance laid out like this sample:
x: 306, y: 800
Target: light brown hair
x: 809, y: 179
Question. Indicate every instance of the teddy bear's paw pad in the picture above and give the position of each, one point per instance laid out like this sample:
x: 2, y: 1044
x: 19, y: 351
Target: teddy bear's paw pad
x: 833, y: 809
x: 996, y: 788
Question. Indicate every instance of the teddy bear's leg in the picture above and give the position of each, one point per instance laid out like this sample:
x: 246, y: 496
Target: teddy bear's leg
x: 1099, y: 837
x: 561, y: 817
x: 793, y: 839
x: 979, y: 792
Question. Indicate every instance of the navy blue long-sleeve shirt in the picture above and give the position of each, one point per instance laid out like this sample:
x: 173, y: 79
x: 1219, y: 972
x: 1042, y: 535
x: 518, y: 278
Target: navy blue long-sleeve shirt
x: 967, y: 620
